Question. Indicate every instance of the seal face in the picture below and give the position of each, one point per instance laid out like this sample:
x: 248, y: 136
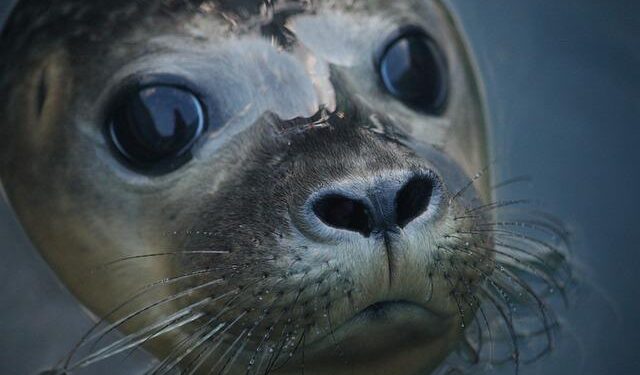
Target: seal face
x: 268, y: 187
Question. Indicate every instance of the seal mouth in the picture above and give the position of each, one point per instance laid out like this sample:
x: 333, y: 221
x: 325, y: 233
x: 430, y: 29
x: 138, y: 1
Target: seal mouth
x: 381, y: 328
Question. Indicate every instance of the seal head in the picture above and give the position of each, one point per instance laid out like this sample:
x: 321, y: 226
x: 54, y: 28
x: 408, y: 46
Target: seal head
x: 255, y: 187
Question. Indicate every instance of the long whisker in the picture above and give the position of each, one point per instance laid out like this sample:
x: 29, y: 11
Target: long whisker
x: 162, y: 301
x: 228, y: 365
x: 511, y: 181
x: 226, y: 353
x: 542, y: 307
x: 550, y: 249
x: 174, y: 321
x: 168, y: 253
x: 205, y: 355
x: 199, y: 332
x: 548, y: 322
x: 276, y: 354
x: 194, y: 342
x: 531, y: 224
x: 481, y: 173
x: 167, y: 281
x: 519, y: 236
x: 493, y: 206
x: 237, y: 319
x: 509, y: 326
x: 540, y: 272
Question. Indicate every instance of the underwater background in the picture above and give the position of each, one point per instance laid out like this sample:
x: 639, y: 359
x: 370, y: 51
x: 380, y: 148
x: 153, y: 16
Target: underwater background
x: 562, y: 84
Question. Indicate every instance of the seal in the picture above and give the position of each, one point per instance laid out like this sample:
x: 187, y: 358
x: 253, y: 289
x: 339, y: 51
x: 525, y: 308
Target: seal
x: 252, y: 187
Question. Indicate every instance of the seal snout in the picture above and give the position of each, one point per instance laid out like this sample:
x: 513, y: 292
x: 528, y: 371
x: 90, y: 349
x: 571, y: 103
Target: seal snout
x: 372, y: 206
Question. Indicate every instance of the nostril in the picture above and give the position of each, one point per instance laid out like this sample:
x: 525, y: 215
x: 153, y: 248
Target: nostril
x: 413, y: 199
x: 343, y: 213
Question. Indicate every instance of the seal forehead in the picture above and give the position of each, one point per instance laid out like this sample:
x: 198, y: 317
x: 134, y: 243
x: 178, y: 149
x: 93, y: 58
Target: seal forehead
x: 235, y: 59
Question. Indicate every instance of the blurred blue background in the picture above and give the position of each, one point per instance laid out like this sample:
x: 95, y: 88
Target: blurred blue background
x: 562, y: 80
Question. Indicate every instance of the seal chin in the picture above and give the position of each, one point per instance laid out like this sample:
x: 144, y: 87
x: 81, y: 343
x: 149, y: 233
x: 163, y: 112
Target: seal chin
x: 382, y: 330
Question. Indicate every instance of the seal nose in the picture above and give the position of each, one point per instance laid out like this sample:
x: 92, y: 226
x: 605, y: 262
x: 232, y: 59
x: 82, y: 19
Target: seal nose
x: 385, y: 204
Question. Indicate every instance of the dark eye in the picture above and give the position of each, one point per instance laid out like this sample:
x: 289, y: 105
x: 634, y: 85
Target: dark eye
x: 154, y: 127
x: 413, y: 69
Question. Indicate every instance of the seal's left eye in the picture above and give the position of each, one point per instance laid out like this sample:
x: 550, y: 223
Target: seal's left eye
x: 412, y: 69
x: 154, y: 127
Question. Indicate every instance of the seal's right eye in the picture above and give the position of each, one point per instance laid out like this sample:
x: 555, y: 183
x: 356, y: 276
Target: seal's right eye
x: 154, y: 127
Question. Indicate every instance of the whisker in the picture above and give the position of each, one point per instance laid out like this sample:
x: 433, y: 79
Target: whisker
x: 229, y: 349
x: 202, y: 329
x: 152, y: 255
x: 548, y: 278
x: 264, y: 337
x: 538, y: 257
x: 488, y: 325
x: 469, y: 184
x: 494, y: 205
x: 511, y: 181
x: 542, y: 307
x: 263, y: 316
x: 519, y: 236
x: 200, y: 339
x: 509, y: 326
x: 275, y: 354
x: 551, y: 250
x: 162, y: 301
x: 222, y: 371
x: 446, y: 276
x: 292, y: 353
x: 227, y: 367
x: 167, y: 281
x: 263, y: 358
x: 206, y: 354
x: 131, y: 341
x: 531, y: 224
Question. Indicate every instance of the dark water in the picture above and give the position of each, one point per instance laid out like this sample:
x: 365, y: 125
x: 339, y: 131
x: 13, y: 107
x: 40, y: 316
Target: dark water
x: 563, y: 87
